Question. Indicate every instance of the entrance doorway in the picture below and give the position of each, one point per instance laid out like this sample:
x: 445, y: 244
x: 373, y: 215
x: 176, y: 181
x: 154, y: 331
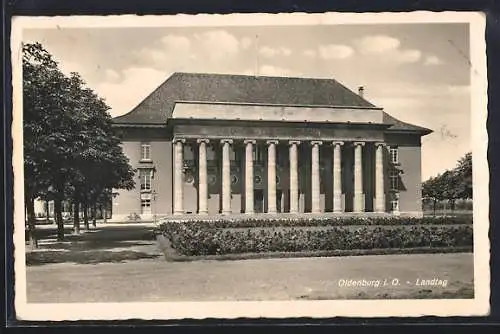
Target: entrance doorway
x: 258, y: 200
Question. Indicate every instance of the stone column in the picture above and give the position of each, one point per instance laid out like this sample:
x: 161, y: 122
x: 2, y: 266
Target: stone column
x: 178, y: 176
x: 379, y: 178
x: 249, y: 176
x: 271, y: 176
x: 202, y: 177
x: 337, y: 176
x: 226, y: 176
x: 294, y: 177
x: 315, y: 177
x: 358, y: 177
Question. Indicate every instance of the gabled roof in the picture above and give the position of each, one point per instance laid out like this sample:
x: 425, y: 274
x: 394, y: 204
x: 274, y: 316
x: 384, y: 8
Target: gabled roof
x: 156, y: 108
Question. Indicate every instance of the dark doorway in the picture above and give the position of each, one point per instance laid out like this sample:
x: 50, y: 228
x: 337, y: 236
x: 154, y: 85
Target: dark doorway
x: 258, y: 199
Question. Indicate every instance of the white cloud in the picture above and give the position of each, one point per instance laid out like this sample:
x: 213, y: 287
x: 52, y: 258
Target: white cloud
x: 377, y: 44
x: 334, y: 51
x: 388, y: 48
x: 111, y: 75
x: 432, y: 60
x: 218, y: 44
x: 309, y: 53
x: 276, y: 71
x: 269, y: 52
x: 177, y: 43
x: 407, y: 56
x: 124, y: 95
x: 246, y: 42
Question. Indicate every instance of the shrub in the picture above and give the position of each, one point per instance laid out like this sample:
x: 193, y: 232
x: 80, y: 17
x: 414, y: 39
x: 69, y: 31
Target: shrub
x: 240, y: 222
x: 203, y: 239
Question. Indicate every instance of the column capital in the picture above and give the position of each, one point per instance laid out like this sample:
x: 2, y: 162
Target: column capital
x: 226, y: 141
x: 272, y: 141
x: 249, y: 141
x: 359, y: 143
x: 335, y: 143
x: 377, y: 144
x: 178, y: 140
x: 316, y: 142
x: 294, y: 142
x: 202, y: 140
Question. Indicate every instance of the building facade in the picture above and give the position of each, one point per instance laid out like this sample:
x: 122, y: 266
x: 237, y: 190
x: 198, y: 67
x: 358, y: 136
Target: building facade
x: 208, y: 144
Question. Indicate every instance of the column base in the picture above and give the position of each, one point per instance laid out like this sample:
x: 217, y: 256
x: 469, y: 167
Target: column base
x: 177, y: 213
x: 359, y: 205
x: 272, y: 212
x: 203, y: 213
x: 226, y: 212
x: 249, y: 212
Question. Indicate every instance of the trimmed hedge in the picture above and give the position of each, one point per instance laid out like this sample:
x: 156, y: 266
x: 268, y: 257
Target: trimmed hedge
x: 194, y: 239
x: 236, y: 222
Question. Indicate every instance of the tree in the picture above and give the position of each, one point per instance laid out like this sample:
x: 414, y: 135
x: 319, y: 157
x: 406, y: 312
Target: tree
x: 70, y: 147
x: 464, y: 175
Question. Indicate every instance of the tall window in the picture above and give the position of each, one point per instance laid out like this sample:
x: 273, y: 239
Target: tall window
x: 145, y: 177
x: 394, y: 178
x: 393, y: 153
x: 145, y: 151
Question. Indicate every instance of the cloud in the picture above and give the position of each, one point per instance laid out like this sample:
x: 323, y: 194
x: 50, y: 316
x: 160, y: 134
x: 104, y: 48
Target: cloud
x: 269, y: 52
x: 111, y: 75
x: 122, y: 96
x: 377, y: 44
x: 246, y: 42
x: 218, y: 44
x: 387, y: 47
x: 334, y: 51
x: 432, y: 60
x: 178, y: 43
x: 310, y: 53
x: 276, y: 71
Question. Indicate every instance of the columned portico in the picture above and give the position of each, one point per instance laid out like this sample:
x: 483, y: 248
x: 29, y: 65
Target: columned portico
x: 379, y: 178
x: 178, y: 176
x: 294, y: 176
x: 337, y: 177
x: 226, y: 176
x: 315, y: 177
x: 202, y: 177
x: 249, y: 195
x: 358, y: 177
x: 271, y: 176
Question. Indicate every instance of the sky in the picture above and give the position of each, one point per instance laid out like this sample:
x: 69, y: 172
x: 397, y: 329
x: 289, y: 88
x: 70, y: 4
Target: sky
x: 419, y: 73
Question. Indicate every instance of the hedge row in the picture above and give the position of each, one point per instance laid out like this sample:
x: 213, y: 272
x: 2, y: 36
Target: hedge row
x: 234, y: 222
x: 195, y: 239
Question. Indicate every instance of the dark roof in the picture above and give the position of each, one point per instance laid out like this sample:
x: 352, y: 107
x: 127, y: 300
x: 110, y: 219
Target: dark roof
x: 202, y: 87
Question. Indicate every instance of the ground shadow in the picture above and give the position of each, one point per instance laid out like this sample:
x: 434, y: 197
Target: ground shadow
x: 98, y: 245
x: 89, y: 257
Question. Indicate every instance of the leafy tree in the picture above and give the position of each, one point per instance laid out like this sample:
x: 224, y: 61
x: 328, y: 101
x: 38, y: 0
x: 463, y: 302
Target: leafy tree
x: 464, y: 175
x: 70, y: 149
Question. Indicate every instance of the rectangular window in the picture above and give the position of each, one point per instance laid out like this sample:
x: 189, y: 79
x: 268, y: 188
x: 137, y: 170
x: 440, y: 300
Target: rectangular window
x: 145, y: 206
x: 145, y: 151
x: 393, y: 153
x: 145, y: 176
x: 394, y: 179
x: 395, y: 205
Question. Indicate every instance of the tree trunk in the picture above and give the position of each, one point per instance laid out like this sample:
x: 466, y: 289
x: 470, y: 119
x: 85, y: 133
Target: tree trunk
x: 30, y: 209
x: 94, y: 214
x: 76, y: 218
x: 434, y: 206
x: 85, y: 215
x: 58, y: 217
x: 104, y: 215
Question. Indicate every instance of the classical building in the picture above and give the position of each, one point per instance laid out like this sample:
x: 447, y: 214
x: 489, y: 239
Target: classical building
x: 232, y: 144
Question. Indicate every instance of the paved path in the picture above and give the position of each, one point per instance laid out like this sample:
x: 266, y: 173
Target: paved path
x: 267, y: 279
